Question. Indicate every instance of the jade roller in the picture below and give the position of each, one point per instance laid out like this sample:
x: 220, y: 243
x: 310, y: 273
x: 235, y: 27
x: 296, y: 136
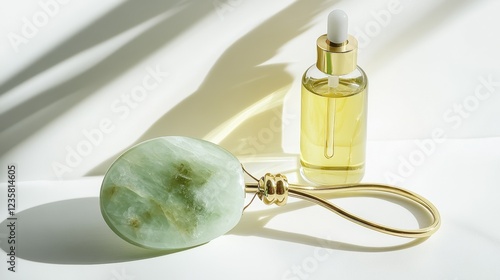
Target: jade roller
x: 178, y: 192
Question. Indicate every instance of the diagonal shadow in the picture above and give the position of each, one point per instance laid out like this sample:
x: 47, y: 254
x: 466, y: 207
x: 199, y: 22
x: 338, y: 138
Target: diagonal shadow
x: 110, y: 24
x: 53, y: 102
x: 418, y: 30
x: 238, y: 79
x: 71, y: 232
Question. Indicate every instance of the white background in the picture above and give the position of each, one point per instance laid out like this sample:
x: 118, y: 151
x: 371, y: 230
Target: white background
x: 229, y: 71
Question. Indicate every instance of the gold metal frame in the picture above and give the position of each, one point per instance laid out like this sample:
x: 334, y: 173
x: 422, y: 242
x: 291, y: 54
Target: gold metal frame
x: 274, y: 189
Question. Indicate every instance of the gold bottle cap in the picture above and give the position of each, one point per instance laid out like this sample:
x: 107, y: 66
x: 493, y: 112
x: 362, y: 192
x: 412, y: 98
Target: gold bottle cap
x: 337, y: 51
x: 337, y: 59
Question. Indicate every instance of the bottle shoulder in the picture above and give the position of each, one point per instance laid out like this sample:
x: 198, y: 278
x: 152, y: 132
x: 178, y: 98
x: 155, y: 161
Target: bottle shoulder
x: 349, y: 84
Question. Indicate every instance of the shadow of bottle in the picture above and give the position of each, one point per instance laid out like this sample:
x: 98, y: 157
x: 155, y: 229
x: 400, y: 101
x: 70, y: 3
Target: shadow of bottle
x: 237, y: 81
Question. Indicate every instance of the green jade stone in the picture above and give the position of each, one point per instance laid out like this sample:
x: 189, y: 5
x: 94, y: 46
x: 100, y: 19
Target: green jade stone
x: 173, y: 192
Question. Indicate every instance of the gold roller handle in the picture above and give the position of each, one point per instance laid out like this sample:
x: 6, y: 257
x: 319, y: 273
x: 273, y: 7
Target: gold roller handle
x: 275, y: 189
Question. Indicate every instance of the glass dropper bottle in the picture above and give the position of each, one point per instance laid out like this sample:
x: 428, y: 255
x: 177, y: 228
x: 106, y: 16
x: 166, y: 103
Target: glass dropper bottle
x: 334, y: 109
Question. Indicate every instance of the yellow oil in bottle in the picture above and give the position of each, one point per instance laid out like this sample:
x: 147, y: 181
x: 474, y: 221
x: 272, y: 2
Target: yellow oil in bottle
x: 333, y: 130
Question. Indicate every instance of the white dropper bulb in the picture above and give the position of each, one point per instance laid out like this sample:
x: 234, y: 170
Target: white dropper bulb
x: 337, y: 27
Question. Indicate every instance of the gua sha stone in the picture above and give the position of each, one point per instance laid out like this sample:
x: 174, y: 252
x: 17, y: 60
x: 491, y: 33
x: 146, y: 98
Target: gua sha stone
x: 173, y: 192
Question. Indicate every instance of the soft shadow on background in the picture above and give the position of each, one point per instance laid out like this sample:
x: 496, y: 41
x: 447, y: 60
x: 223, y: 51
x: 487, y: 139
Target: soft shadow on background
x: 238, y: 70
x: 71, y: 232
x: 238, y: 80
x: 48, y: 105
x: 407, y: 37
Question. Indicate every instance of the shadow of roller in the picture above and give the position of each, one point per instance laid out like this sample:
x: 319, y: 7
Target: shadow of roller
x: 254, y: 224
x: 74, y: 232
x: 71, y: 232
